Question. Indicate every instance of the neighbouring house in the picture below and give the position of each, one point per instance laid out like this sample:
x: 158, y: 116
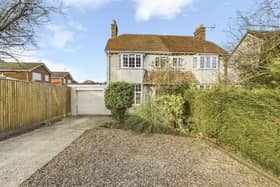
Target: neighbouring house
x: 37, y: 72
x: 62, y: 78
x: 135, y: 58
x: 248, y: 51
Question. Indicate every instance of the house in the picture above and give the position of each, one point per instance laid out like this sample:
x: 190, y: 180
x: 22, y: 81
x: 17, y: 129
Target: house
x: 26, y: 71
x: 62, y: 78
x: 248, y: 51
x: 135, y: 58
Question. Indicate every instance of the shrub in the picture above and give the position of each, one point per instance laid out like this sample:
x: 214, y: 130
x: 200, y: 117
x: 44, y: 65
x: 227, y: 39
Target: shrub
x: 159, y: 115
x: 119, y: 98
x: 247, y: 120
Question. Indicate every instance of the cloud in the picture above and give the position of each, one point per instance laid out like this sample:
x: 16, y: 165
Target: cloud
x: 76, y: 25
x: 60, y: 36
x: 146, y: 9
x: 80, y: 3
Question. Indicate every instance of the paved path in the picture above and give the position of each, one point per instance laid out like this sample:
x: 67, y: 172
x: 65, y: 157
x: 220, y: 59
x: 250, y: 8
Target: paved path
x: 21, y: 156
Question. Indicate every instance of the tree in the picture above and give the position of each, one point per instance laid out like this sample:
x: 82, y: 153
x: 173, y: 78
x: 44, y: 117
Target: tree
x: 254, y: 64
x: 19, y: 20
x: 119, y: 98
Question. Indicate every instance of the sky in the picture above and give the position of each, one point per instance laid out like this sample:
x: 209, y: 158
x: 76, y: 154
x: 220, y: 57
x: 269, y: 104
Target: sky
x: 75, y: 41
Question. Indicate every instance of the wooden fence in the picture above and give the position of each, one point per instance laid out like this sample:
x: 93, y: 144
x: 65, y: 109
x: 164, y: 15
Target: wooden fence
x: 24, y: 105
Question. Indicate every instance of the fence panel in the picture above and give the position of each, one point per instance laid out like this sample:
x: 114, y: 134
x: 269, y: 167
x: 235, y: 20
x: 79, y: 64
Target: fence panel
x: 24, y: 104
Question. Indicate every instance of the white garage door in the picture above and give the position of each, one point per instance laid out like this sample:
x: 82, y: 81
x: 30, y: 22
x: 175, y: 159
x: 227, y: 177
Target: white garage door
x: 91, y: 103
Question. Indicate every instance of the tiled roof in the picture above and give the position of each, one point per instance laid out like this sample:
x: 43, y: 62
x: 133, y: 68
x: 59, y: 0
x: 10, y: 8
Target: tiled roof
x: 171, y: 77
x: 60, y: 74
x: 162, y: 43
x: 11, y: 66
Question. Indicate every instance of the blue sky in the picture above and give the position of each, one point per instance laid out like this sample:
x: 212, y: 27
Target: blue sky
x: 75, y: 41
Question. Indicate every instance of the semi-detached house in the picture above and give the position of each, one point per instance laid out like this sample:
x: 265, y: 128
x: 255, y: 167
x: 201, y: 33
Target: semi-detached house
x: 134, y: 58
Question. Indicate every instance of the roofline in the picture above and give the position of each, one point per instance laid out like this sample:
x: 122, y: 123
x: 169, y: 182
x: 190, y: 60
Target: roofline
x: 161, y: 52
x: 245, y: 35
x: 62, y: 76
x: 28, y: 70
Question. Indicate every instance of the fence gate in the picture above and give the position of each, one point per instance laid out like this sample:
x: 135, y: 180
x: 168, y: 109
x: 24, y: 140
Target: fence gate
x: 88, y: 100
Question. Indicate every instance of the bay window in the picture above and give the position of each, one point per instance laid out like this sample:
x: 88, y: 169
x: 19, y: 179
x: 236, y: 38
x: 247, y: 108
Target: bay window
x: 131, y: 60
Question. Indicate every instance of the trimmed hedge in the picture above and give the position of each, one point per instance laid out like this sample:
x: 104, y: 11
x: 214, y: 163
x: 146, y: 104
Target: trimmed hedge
x: 246, y: 120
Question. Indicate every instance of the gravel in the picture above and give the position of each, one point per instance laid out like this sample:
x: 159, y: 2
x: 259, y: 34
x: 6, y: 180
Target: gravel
x: 112, y: 157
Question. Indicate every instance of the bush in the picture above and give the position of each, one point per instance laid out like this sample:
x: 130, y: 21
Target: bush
x: 159, y: 115
x: 246, y: 120
x: 118, y: 99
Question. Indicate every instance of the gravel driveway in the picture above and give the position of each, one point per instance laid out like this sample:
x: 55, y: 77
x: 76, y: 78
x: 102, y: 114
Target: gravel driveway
x: 111, y: 157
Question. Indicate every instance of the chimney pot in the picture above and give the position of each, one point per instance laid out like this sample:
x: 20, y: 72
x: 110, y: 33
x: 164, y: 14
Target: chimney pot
x: 200, y: 33
x: 114, y: 29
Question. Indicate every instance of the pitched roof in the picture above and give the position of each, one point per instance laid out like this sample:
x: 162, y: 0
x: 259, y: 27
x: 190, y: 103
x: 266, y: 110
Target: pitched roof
x: 57, y: 74
x: 172, y: 77
x: 16, y: 66
x: 162, y: 43
x: 263, y: 34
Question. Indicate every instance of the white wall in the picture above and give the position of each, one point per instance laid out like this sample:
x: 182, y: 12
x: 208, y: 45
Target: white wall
x: 116, y: 73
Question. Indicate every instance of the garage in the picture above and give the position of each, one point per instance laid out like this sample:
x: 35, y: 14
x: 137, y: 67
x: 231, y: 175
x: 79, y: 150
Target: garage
x: 88, y: 100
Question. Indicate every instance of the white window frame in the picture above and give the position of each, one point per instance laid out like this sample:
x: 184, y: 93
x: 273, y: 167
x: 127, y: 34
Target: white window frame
x: 129, y: 64
x: 161, y: 60
x: 202, y: 62
x: 36, y: 76
x: 136, y: 92
x: 179, y: 62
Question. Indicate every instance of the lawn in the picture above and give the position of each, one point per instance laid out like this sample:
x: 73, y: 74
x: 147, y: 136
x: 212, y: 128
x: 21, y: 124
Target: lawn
x: 112, y: 157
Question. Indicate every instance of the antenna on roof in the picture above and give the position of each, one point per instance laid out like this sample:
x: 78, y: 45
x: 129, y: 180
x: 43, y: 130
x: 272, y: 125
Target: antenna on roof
x: 211, y: 27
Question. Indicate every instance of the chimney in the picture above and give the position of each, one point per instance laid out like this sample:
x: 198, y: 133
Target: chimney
x: 200, y: 33
x: 114, y: 28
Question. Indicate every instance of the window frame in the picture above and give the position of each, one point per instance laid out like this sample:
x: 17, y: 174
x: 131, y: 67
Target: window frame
x: 137, y: 93
x: 179, y: 62
x: 131, y: 61
x: 47, y: 77
x: 161, y: 60
x: 35, y: 78
x: 201, y: 62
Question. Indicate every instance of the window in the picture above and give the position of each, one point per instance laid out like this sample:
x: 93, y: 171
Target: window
x: 69, y: 81
x: 202, y: 62
x: 205, y: 62
x: 208, y: 62
x: 160, y: 62
x: 214, y: 62
x: 178, y: 62
x: 36, y: 76
x: 47, y: 78
x: 125, y: 61
x: 138, y: 61
x: 137, y: 93
x: 131, y: 60
x: 195, y: 62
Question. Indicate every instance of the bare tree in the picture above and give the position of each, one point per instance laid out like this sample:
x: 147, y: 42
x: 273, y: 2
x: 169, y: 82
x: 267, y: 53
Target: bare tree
x: 255, y: 61
x: 19, y: 20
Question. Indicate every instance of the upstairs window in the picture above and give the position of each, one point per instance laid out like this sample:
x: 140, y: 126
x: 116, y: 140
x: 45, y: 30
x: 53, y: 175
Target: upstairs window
x: 36, y: 76
x: 131, y: 60
x: 160, y: 62
x: 205, y: 62
x: 178, y: 62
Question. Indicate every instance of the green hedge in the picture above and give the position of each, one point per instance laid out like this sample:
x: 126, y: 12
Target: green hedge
x: 247, y: 120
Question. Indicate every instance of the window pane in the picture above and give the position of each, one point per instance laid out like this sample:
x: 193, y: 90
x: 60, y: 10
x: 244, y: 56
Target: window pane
x: 125, y: 60
x: 194, y: 62
x: 214, y: 62
x: 138, y: 61
x: 132, y: 61
x: 47, y: 77
x: 163, y: 61
x: 36, y: 76
x: 175, y: 62
x: 157, y: 62
x: 202, y: 62
x: 208, y: 62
